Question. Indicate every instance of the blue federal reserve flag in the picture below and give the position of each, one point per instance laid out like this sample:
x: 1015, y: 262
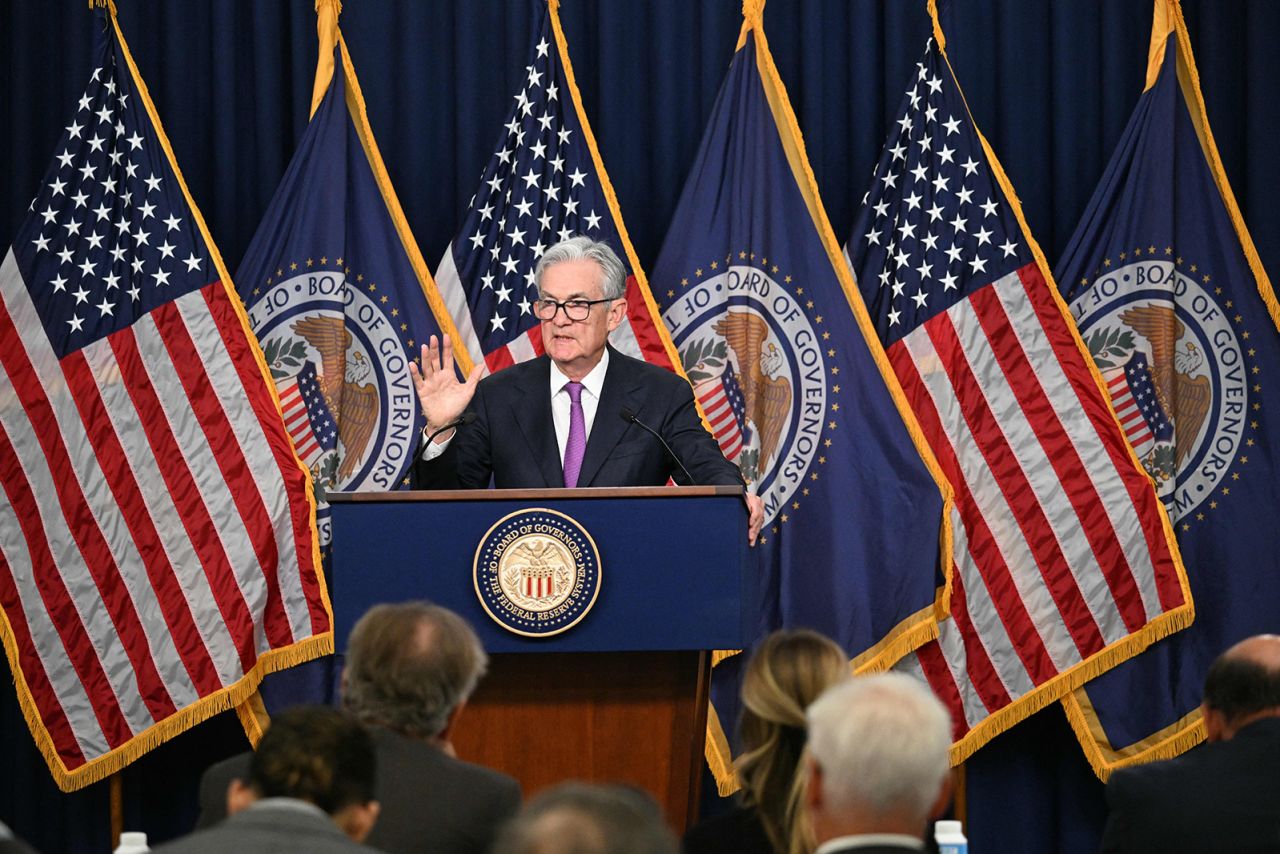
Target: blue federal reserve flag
x: 339, y: 296
x: 1172, y: 301
x: 776, y: 341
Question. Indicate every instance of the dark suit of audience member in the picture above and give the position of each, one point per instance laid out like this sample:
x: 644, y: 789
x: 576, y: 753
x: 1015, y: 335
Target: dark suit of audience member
x: 410, y: 668
x: 309, y: 787
x: 270, y: 826
x: 1224, y: 795
x: 738, y: 830
x: 421, y: 789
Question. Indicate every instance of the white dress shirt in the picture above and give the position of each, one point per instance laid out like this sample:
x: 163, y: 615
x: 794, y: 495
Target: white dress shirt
x: 561, y: 403
x: 592, y: 384
x: 866, y: 840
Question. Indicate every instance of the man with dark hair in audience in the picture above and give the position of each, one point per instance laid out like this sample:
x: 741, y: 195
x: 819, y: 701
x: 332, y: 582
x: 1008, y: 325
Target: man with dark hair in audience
x: 1224, y: 795
x: 582, y: 818
x: 878, y: 765
x: 410, y: 669
x: 310, y: 788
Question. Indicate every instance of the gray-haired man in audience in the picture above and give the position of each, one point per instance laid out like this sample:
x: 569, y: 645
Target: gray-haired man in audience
x: 878, y: 766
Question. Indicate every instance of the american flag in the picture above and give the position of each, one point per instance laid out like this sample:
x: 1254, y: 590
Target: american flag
x: 545, y: 183
x: 726, y: 410
x: 1134, y: 397
x: 157, y: 550
x: 1061, y: 560
x: 306, y: 415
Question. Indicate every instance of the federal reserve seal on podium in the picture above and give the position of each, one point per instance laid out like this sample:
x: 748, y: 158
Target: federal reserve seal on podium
x: 537, y: 572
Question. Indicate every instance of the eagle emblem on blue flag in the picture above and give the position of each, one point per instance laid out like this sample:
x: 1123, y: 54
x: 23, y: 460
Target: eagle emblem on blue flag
x: 758, y: 371
x: 1176, y: 373
x: 363, y: 419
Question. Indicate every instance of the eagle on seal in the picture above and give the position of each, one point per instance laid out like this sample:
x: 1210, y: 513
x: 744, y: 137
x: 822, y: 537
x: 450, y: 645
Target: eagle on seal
x: 767, y: 397
x: 1184, y: 397
x: 352, y: 400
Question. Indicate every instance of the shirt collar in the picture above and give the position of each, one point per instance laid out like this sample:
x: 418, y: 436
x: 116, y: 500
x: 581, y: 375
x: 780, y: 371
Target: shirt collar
x: 866, y: 840
x: 293, y: 804
x: 593, y: 382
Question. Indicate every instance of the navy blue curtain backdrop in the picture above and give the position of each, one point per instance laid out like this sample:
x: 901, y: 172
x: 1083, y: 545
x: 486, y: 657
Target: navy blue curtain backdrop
x: 1050, y: 82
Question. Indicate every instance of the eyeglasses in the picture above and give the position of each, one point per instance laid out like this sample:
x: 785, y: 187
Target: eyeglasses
x: 574, y: 309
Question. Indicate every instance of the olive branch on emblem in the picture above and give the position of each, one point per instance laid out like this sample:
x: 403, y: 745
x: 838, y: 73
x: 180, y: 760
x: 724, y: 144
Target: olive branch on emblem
x: 749, y: 464
x: 701, y: 354
x: 1108, y: 346
x: 284, y: 353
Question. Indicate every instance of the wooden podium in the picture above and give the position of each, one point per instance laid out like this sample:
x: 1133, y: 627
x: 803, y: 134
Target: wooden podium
x: 622, y: 695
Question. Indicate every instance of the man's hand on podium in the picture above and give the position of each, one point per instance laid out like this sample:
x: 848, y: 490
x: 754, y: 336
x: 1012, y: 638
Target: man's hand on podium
x: 755, y: 516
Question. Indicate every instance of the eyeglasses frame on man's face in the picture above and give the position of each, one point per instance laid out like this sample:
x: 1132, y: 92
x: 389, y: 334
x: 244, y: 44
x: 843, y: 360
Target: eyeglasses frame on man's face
x: 542, y: 303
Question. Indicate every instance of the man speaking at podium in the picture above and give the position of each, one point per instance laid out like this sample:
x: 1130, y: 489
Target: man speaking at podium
x: 581, y: 415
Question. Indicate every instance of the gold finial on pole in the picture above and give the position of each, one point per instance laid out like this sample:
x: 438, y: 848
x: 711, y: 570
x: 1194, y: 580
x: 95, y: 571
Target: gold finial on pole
x: 937, y: 25
x: 327, y: 12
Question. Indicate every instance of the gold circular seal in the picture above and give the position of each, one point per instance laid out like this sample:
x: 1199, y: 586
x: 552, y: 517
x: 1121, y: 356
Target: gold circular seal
x: 537, y: 572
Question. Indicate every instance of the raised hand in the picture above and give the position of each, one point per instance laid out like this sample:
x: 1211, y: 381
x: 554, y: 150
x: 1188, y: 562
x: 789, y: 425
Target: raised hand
x: 442, y: 397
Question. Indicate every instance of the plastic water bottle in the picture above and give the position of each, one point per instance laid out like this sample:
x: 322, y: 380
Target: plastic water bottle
x: 132, y: 842
x: 950, y: 838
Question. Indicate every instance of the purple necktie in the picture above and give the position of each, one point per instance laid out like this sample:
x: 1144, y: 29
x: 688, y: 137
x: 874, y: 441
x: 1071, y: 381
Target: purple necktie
x: 577, y: 435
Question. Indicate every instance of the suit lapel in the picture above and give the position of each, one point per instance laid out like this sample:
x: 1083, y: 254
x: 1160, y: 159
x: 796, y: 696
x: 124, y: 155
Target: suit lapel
x: 619, y: 390
x: 532, y: 413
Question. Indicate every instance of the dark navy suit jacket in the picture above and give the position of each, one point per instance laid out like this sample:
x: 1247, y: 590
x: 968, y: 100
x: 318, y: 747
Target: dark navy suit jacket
x: 513, y: 439
x: 1223, y: 796
x: 431, y: 802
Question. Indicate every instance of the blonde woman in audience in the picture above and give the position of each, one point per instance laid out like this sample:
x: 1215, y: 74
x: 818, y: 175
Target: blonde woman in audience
x: 788, y: 671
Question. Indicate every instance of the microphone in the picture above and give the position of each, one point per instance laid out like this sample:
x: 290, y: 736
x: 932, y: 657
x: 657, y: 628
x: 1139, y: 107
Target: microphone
x: 461, y: 421
x: 628, y: 415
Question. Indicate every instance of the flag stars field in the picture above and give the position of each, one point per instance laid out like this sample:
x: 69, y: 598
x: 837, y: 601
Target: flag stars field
x: 93, y: 175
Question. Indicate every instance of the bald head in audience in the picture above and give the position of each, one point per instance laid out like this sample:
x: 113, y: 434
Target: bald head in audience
x: 1218, y: 796
x: 582, y: 818
x: 1242, y: 686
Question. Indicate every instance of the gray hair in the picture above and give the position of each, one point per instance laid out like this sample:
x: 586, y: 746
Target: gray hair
x: 588, y: 818
x: 882, y: 744
x: 409, y: 665
x: 613, y: 275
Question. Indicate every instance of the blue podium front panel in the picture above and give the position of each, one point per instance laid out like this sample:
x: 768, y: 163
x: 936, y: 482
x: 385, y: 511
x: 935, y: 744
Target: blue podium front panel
x: 671, y: 570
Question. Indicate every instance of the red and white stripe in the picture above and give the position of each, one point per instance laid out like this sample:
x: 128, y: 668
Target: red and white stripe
x: 724, y: 424
x: 1059, y: 545
x: 537, y: 586
x: 1127, y: 410
x: 154, y: 532
x: 297, y: 422
x: 636, y: 336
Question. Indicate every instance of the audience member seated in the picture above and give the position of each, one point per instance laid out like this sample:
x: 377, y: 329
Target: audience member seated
x: 310, y: 788
x: 409, y: 671
x: 581, y: 818
x: 878, y: 768
x: 1221, y: 796
x: 788, y: 671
